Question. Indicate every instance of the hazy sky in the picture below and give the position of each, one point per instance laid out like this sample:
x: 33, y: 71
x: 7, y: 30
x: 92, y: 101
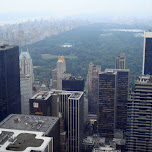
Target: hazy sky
x: 73, y: 7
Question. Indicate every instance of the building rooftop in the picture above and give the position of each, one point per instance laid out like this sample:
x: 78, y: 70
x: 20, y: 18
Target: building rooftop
x: 29, y: 123
x: 5, y: 47
x: 144, y: 79
x: 115, y: 70
x: 76, y: 95
x: 106, y: 148
x: 25, y: 55
x: 72, y: 78
x: 44, y: 95
x: 61, y: 59
x: 23, y: 141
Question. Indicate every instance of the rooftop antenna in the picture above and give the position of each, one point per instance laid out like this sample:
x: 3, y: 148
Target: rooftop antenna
x: 28, y: 50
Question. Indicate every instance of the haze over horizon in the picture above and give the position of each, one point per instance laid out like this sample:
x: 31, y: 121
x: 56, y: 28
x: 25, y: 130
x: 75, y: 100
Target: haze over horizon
x: 63, y: 8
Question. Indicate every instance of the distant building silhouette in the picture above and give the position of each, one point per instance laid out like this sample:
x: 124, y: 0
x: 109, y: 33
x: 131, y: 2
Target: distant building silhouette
x: 147, y: 53
x: 120, y: 61
x: 10, y: 99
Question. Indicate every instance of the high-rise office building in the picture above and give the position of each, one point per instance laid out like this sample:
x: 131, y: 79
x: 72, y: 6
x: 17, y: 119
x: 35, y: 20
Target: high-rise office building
x: 113, y: 94
x: 44, y: 103
x: 10, y: 99
x: 120, y: 61
x: 107, y: 104
x: 71, y: 105
x: 147, y: 53
x: 122, y: 87
x: 73, y: 84
x: 26, y: 80
x: 139, y: 116
x: 75, y: 121
x: 92, y: 87
x: 54, y: 79
x: 26, y: 65
x: 59, y: 73
x: 61, y: 69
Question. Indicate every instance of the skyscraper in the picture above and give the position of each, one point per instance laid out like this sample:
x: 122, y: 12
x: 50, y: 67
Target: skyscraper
x: 120, y: 61
x: 113, y: 94
x: 107, y: 104
x: 92, y: 87
x: 44, y: 103
x: 26, y: 65
x: 139, y: 116
x: 122, y: 87
x: 75, y: 121
x: 147, y: 53
x: 73, y: 84
x: 26, y: 80
x: 59, y: 73
x: 10, y: 100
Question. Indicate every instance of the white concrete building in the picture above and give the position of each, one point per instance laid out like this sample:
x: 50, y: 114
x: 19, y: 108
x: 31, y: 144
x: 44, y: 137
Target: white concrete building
x: 26, y: 80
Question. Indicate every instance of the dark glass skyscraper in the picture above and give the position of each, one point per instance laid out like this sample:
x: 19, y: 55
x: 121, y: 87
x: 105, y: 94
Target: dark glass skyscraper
x: 113, y: 95
x: 147, y: 53
x: 73, y: 84
x: 10, y: 100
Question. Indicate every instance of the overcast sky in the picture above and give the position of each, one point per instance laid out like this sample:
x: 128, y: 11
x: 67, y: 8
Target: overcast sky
x: 74, y: 7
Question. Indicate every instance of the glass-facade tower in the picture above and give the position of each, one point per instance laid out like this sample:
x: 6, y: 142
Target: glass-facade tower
x: 147, y: 53
x: 10, y: 100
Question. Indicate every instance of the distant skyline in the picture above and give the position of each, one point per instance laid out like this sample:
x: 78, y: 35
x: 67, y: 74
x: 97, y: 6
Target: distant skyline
x: 64, y: 8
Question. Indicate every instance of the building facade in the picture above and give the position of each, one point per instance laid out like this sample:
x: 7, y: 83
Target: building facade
x: 75, y: 121
x: 92, y: 87
x: 147, y: 53
x: 26, y: 65
x: 26, y: 80
x: 113, y: 95
x: 120, y: 61
x: 107, y: 104
x: 139, y: 116
x: 73, y: 84
x: 10, y: 99
x: 59, y: 73
x: 44, y: 103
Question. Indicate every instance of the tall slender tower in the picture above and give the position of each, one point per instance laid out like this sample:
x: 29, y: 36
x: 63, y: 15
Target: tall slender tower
x: 10, y: 99
x: 61, y: 69
x: 120, y: 61
x: 147, y: 53
x: 26, y: 80
x: 92, y: 87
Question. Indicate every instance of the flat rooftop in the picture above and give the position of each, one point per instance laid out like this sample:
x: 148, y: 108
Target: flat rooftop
x: 23, y: 141
x: 29, y: 123
x: 44, y: 95
x: 6, y: 47
x: 76, y: 95
x: 73, y: 78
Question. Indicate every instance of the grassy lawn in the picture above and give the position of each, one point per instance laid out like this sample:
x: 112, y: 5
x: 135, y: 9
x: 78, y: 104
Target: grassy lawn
x: 50, y: 56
